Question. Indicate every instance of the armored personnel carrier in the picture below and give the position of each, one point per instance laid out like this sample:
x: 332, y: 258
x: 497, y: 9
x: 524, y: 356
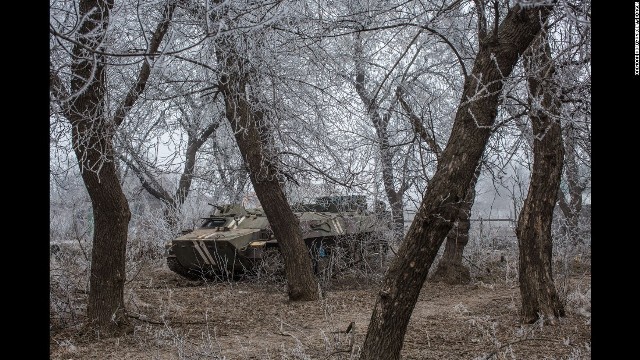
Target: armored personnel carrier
x: 233, y: 240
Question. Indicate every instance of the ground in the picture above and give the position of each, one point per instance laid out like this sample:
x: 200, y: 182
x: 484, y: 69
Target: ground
x: 176, y: 318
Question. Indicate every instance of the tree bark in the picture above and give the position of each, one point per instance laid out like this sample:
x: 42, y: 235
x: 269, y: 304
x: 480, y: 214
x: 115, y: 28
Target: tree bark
x: 255, y: 142
x: 380, y: 123
x: 92, y: 135
x: 92, y: 141
x: 441, y: 204
x: 573, y: 209
x: 450, y: 268
x: 537, y: 289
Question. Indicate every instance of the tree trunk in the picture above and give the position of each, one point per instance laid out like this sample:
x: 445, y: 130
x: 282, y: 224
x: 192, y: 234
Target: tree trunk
x: 105, y: 308
x: 92, y: 136
x: 174, y: 204
x: 539, y: 296
x: 572, y: 210
x: 194, y: 143
x: 380, y: 123
x: 397, y: 213
x: 255, y: 143
x: 441, y: 204
x: 92, y: 141
x: 450, y: 268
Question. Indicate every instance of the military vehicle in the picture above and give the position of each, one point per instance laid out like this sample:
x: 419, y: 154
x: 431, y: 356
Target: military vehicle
x: 235, y: 241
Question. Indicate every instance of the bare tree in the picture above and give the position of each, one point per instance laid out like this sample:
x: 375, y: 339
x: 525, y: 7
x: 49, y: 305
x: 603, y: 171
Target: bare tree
x: 537, y: 289
x: 246, y: 112
x: 405, y: 71
x: 197, y: 135
x: 570, y: 41
x: 576, y: 186
x: 83, y: 103
x: 498, y: 53
x: 450, y: 268
x: 380, y: 121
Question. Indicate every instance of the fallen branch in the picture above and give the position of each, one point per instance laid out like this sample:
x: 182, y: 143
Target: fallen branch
x: 167, y: 322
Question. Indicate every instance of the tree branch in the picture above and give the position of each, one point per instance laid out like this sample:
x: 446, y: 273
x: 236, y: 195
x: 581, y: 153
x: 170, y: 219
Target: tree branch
x: 482, y: 20
x: 417, y: 124
x: 149, y: 185
x: 145, y: 70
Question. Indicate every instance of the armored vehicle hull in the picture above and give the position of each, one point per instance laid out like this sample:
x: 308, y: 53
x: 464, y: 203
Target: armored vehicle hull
x: 234, y: 241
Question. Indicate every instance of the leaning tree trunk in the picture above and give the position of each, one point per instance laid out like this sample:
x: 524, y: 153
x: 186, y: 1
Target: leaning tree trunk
x: 440, y: 207
x: 450, y: 269
x: 537, y: 289
x: 92, y: 137
x: 255, y: 142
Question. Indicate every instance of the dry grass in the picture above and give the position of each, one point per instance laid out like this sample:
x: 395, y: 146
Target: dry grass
x: 181, y: 319
x: 176, y: 318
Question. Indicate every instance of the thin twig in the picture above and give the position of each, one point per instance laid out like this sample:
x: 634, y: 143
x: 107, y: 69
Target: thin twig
x: 166, y: 322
